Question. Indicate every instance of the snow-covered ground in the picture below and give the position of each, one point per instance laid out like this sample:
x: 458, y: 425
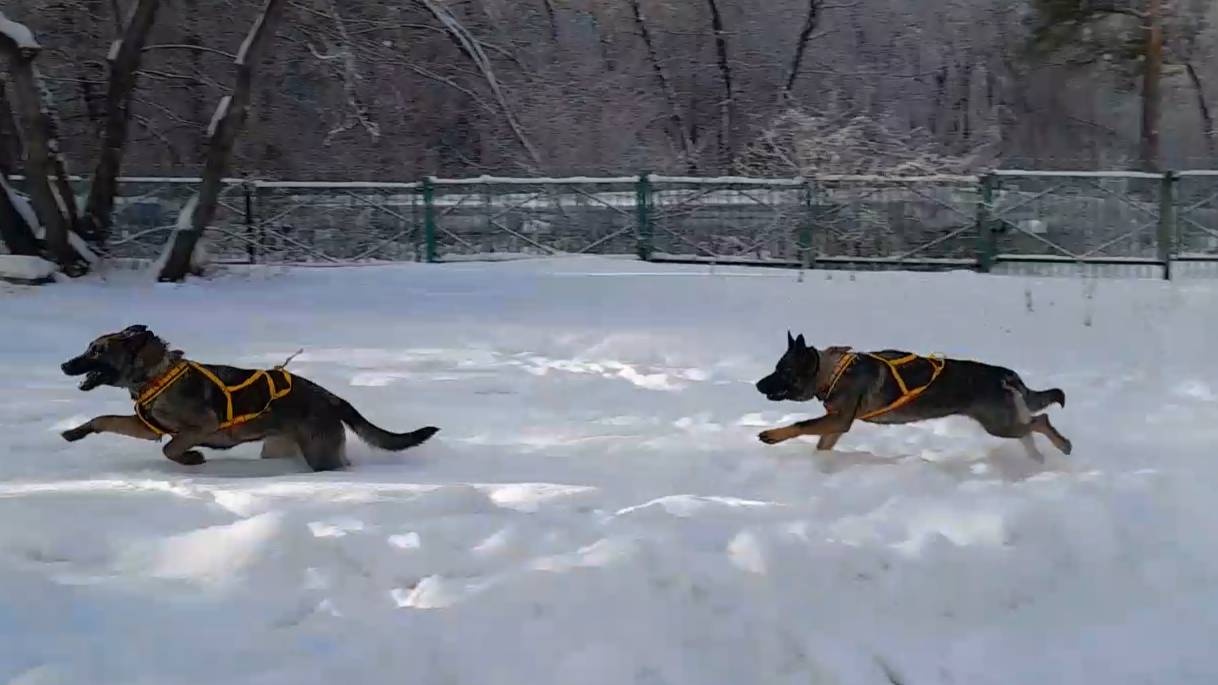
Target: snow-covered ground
x: 597, y: 508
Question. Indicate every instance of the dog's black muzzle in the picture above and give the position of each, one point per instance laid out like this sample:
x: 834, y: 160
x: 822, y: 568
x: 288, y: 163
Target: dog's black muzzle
x: 96, y: 372
x: 75, y: 366
x: 772, y: 388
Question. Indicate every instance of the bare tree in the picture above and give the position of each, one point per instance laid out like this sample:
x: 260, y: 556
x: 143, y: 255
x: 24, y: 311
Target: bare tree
x: 679, y: 130
x: 1208, y: 132
x: 15, y: 230
x: 472, y: 49
x: 46, y: 173
x: 124, y: 64
x: 811, y: 22
x: 348, y: 71
x: 1152, y: 98
x: 615, y: 86
x: 226, y: 124
x: 725, y: 74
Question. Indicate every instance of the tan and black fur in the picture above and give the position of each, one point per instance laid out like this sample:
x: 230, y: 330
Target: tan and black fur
x: 307, y: 422
x: 993, y: 396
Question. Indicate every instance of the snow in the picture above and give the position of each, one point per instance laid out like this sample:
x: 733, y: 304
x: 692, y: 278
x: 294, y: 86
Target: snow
x: 335, y: 184
x: 25, y: 268
x: 508, y: 180
x: 18, y: 33
x: 184, y: 223
x: 248, y: 42
x: 597, y: 508
x: 1076, y: 174
x: 23, y: 207
x: 726, y: 180
x: 218, y: 115
x: 82, y: 248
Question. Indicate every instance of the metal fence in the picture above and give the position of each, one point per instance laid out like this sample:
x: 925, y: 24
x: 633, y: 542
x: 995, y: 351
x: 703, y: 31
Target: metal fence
x: 1125, y: 223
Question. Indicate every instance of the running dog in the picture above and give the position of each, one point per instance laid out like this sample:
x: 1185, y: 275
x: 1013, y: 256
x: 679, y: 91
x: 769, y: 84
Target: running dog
x: 890, y: 387
x: 207, y: 405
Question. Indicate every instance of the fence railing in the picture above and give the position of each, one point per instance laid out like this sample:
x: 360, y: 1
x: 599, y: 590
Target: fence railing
x: 1069, y: 222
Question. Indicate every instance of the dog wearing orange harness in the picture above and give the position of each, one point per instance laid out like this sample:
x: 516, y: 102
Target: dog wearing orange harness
x: 219, y: 407
x: 891, y: 387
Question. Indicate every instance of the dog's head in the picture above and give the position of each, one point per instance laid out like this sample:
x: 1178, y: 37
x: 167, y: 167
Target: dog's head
x: 794, y: 376
x: 120, y: 359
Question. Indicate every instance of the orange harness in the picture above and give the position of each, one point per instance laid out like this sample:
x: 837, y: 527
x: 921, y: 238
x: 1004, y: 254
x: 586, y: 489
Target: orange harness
x: 175, y: 373
x: 907, y: 394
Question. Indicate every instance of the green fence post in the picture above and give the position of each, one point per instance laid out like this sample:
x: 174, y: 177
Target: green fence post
x: 806, y: 227
x: 642, y: 206
x: 1167, y: 220
x: 429, y: 220
x: 248, y: 188
x: 986, y: 246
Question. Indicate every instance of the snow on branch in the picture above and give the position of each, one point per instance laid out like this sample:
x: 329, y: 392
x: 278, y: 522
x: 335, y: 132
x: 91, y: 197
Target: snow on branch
x: 18, y: 33
x: 218, y: 115
x: 817, y: 144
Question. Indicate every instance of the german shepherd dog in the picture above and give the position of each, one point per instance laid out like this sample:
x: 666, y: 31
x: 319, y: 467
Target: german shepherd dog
x: 892, y: 386
x: 207, y: 405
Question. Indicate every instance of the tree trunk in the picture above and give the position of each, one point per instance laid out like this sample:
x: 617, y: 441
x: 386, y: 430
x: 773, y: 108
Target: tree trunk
x: 811, y: 22
x: 10, y: 137
x: 726, y: 138
x: 680, y: 131
x: 226, y: 124
x: 124, y: 59
x: 348, y: 73
x: 16, y: 233
x: 1151, y: 90
x: 1207, y: 118
x: 52, y: 205
x: 473, y: 49
x: 552, y: 17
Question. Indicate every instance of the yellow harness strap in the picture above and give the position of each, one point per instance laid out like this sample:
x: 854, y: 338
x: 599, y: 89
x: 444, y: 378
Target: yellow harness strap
x: 170, y: 377
x: 907, y: 394
x: 228, y: 390
x: 154, y: 390
x: 839, y: 371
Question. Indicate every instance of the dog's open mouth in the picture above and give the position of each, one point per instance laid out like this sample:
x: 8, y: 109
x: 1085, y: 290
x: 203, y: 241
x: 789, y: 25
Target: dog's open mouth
x: 94, y: 378
x: 95, y: 374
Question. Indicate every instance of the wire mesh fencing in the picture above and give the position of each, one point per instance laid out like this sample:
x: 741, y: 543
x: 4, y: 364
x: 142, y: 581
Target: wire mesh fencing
x: 1124, y: 223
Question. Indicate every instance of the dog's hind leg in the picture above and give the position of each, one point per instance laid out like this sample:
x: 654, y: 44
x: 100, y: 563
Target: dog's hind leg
x: 324, y: 447
x: 1040, y: 424
x: 1023, y: 418
x: 1010, y: 419
x: 279, y: 447
x: 180, y: 447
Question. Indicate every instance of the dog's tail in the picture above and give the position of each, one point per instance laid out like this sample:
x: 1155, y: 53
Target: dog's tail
x: 379, y: 437
x: 1036, y: 400
x: 1039, y: 399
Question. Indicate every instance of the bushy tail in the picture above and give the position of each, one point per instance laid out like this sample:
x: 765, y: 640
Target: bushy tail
x: 1039, y: 399
x: 379, y: 437
x: 1036, y: 400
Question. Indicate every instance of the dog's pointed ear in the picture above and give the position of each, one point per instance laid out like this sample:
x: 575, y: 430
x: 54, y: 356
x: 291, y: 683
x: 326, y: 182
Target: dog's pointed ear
x: 790, y: 340
x: 799, y: 342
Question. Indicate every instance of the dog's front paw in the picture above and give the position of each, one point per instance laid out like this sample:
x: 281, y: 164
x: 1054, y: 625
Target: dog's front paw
x: 77, y: 433
x: 189, y: 458
x: 772, y: 436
